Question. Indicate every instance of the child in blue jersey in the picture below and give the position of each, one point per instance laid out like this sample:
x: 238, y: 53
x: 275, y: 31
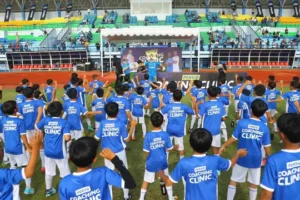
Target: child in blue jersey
x: 272, y: 94
x: 128, y: 82
x: 138, y: 104
x: 156, y: 145
x: 25, y: 83
x: 251, y: 134
x: 200, y: 171
x: 239, y: 82
x: 57, y: 132
x: 242, y: 107
x: 32, y: 111
x: 93, y: 183
x: 124, y: 104
x: 177, y: 115
x: 98, y: 105
x: 14, y: 134
x: 146, y: 84
x: 154, y: 93
x: 10, y: 178
x: 152, y: 67
x: 199, y: 95
x: 280, y: 177
x: 20, y: 98
x: 212, y: 113
x: 50, y: 90
x: 113, y: 135
x: 291, y: 96
x: 126, y: 68
x: 38, y: 97
x: 250, y: 86
x: 94, y: 85
x: 65, y: 97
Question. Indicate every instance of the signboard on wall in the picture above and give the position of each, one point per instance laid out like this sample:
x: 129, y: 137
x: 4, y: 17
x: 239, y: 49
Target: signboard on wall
x: 296, y: 8
x: 44, y: 12
x: 271, y: 8
x: 259, y: 9
x: 7, y: 12
x: 31, y: 12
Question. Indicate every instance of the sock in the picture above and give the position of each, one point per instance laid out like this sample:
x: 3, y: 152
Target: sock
x: 133, y: 132
x: 199, y: 123
x: 252, y: 194
x: 48, y: 180
x: 224, y: 131
x: 143, y: 193
x: 28, y: 183
x: 88, y: 121
x: 193, y: 121
x: 126, y: 193
x: 180, y: 157
x: 144, y: 129
x: 42, y: 156
x: 16, y: 192
x: 275, y: 127
x: 231, y: 192
x: 170, y: 192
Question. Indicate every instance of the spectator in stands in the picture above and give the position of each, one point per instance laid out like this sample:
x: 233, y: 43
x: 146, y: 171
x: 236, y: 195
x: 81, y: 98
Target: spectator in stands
x: 286, y: 31
x: 146, y: 21
x: 86, y: 45
x: 276, y: 21
x: 2, y: 49
x: 79, y: 13
x: 278, y: 35
x: 26, y: 47
x: 268, y: 43
x: 263, y: 32
x: 264, y: 22
x: 270, y: 21
x: 17, y: 47
x: 223, y: 12
x: 63, y: 45
x: 245, y: 21
x: 97, y: 46
x: 241, y: 45
x: 266, y: 32
x: 21, y: 47
x: 199, y: 19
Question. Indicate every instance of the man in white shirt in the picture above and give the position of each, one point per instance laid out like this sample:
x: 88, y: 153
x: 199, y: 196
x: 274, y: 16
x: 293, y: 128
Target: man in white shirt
x: 176, y: 62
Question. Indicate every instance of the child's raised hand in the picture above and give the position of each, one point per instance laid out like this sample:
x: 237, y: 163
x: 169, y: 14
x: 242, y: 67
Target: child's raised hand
x: 242, y: 152
x: 36, y: 140
x: 107, y: 154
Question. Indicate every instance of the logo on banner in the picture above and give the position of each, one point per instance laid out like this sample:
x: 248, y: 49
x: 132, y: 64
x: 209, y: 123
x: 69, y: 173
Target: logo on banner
x: 187, y: 77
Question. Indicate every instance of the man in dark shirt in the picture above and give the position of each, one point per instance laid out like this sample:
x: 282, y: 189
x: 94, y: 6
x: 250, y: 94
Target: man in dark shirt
x: 119, y: 71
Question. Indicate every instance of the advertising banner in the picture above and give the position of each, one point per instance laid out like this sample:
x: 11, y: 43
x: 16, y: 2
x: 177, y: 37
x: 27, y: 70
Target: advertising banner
x: 44, y: 12
x: 296, y: 8
x: 258, y: 8
x: 208, y: 78
x: 271, y: 8
x: 31, y: 12
x: 7, y: 13
x: 169, y: 57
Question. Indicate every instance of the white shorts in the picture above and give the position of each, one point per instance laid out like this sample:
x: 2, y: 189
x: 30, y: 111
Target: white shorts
x: 62, y: 164
x: 273, y: 112
x: 139, y: 120
x: 121, y: 155
x: 239, y: 174
x: 236, y: 102
x: 226, y: 107
x: 76, y: 134
x: 223, y: 124
x: 216, y: 142
x: 21, y: 159
x: 178, y: 141
x: 149, y: 177
x: 30, y: 134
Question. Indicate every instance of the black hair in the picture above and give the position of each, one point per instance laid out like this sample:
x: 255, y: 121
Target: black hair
x: 146, y: 76
x: 112, y: 109
x: 9, y: 107
x: 74, y: 75
x: 200, y: 140
x: 272, y: 85
x: 28, y: 92
x: 19, y: 89
x: 259, y: 90
x: 272, y: 78
x: 198, y: 84
x: 119, y: 89
x: 25, y: 81
x: 177, y: 95
x: 74, y: 81
x: 126, y: 78
x: 240, y: 79
x: 66, y: 86
x: 139, y: 62
x: 49, y: 81
x: 140, y: 90
x: 99, y: 92
x: 55, y: 109
x: 294, y: 85
x: 80, y: 81
x: 173, y: 86
x: 37, y: 94
x: 258, y: 107
x: 222, y: 79
x: 219, y: 90
x: 152, y: 86
x: 94, y: 76
x: 157, y: 119
x: 72, y: 93
x: 213, y: 91
x: 126, y: 87
x: 288, y: 124
x: 36, y: 86
x: 249, y: 78
x: 246, y: 92
x: 296, y: 78
x: 83, y: 151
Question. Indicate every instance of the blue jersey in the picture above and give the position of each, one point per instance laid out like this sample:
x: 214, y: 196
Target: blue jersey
x: 281, y: 175
x: 65, y: 98
x: 82, y: 95
x: 251, y: 135
x: 291, y: 97
x: 73, y: 111
x: 43, y: 104
x: 99, y: 104
x: 20, y: 98
x: 200, y: 94
x: 168, y: 98
x: 124, y: 106
x: 91, y: 184
x: 156, y: 143
x: 126, y: 65
x: 1, y: 114
x: 169, y: 64
x: 29, y: 111
x: 223, y: 101
x: 138, y: 103
x: 235, y: 89
x: 177, y: 113
x: 49, y: 90
x: 155, y: 103
x: 272, y: 95
x: 95, y: 85
x: 13, y: 128
x: 146, y: 85
x: 244, y: 110
x: 200, y: 173
x: 152, y: 67
x: 225, y: 91
x: 8, y: 178
x: 130, y: 84
x: 250, y: 87
x: 55, y: 128
x: 112, y: 133
x: 212, y: 113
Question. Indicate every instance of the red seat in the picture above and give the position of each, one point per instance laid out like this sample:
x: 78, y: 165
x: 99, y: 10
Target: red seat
x: 286, y: 64
x: 53, y: 65
x: 47, y: 66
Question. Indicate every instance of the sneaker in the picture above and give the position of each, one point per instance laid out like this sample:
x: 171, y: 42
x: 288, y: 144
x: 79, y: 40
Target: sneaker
x: 29, y: 191
x: 50, y: 192
x: 90, y: 128
x: 43, y: 170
